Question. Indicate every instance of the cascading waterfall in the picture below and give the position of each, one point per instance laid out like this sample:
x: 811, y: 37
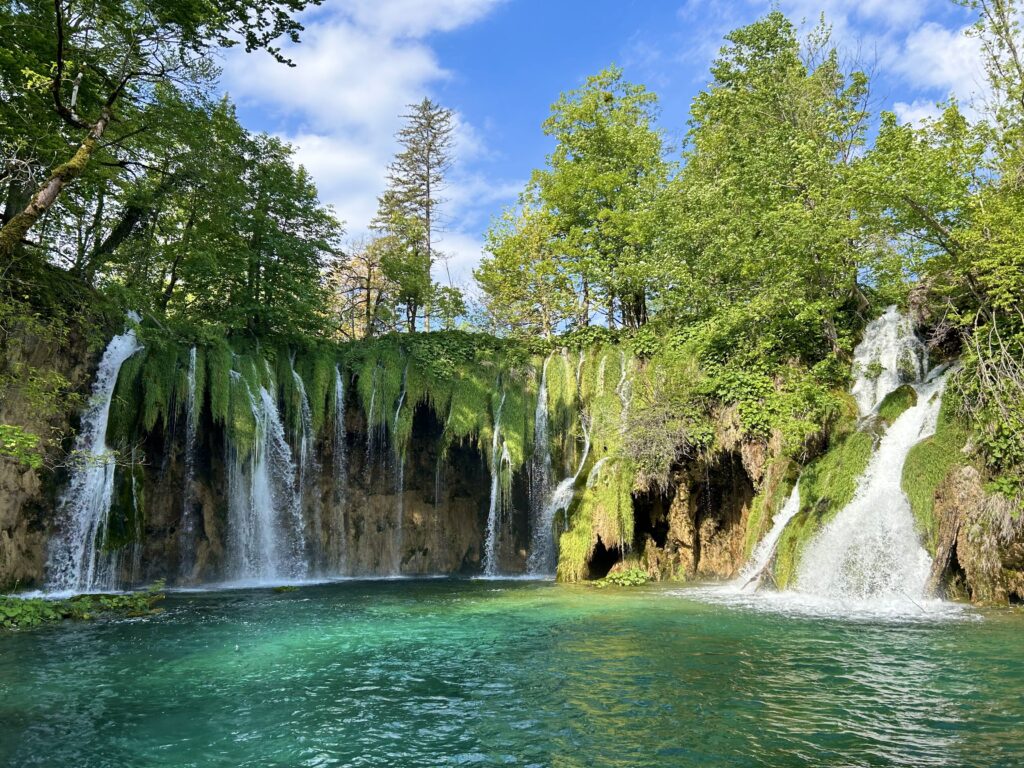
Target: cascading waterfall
x: 763, y: 553
x: 77, y: 561
x: 494, y: 509
x: 308, y: 466
x: 870, y: 550
x: 266, y: 529
x: 540, y: 480
x: 543, y: 555
x: 340, y: 455
x: 187, y: 538
x: 890, y: 355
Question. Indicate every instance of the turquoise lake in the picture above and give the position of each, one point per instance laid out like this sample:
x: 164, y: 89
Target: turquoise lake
x: 444, y: 672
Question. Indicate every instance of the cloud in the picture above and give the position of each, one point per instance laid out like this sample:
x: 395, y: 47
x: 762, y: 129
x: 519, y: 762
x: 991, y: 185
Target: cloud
x: 357, y: 68
x: 916, y: 112
x: 943, y: 59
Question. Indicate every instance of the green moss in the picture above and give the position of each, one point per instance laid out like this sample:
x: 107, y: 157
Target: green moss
x: 123, y: 422
x: 826, y: 486
x: 896, y: 402
x: 126, y: 520
x: 781, y: 475
x: 927, y: 465
x: 219, y: 363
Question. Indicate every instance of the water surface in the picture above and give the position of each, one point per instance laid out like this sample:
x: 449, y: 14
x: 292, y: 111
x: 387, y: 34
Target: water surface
x: 440, y: 672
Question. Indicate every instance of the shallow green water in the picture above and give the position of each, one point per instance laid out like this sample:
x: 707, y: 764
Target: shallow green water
x: 438, y: 672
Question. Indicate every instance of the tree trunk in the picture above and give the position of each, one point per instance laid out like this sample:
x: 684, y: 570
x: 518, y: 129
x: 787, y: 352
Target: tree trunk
x: 14, y: 231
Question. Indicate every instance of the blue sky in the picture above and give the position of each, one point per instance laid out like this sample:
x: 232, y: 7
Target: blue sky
x: 499, y: 64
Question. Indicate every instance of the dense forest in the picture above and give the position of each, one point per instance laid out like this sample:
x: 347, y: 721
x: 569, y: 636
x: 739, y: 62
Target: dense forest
x: 737, y: 271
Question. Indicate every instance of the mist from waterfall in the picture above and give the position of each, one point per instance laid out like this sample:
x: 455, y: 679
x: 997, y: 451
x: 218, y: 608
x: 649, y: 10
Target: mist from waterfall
x: 77, y: 558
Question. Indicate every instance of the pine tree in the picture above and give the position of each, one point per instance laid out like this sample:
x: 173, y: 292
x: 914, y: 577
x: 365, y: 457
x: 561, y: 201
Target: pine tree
x: 407, y: 211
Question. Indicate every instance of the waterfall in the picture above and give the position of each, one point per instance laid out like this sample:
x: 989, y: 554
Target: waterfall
x: 765, y: 550
x: 870, y: 550
x: 543, y: 554
x: 340, y: 465
x: 187, y: 538
x: 308, y: 467
x: 491, y: 543
x: 77, y: 561
x: 266, y: 531
x: 399, y: 455
x: 890, y: 355
x: 540, y: 481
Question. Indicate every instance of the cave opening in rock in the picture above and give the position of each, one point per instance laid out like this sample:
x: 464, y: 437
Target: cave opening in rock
x: 602, y: 560
x: 651, y: 517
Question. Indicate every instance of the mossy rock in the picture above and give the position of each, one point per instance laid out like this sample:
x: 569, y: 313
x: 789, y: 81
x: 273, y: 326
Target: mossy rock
x: 896, y: 402
x: 826, y: 486
x: 927, y: 465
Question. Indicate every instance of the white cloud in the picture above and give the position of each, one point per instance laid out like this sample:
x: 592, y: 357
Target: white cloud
x: 943, y: 59
x: 916, y: 112
x: 416, y: 18
x: 357, y: 68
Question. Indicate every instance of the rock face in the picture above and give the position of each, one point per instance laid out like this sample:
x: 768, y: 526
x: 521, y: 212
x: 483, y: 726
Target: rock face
x: 980, y: 549
x: 695, y: 529
x: 368, y: 528
x: 28, y: 495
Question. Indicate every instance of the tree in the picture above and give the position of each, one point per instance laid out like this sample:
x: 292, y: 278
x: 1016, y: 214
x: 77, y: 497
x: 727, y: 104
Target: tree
x: 527, y: 288
x: 407, y: 211
x: 108, y: 58
x: 763, y: 215
x: 599, y: 189
x: 361, y: 293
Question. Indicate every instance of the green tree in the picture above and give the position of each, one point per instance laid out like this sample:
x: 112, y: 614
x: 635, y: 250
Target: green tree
x: 407, y: 211
x: 761, y: 233
x: 600, y: 188
x: 96, y: 63
x: 527, y: 288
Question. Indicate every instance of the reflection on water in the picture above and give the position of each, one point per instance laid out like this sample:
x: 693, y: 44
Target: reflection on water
x: 502, y: 673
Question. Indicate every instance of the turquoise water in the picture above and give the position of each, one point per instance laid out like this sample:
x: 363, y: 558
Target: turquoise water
x: 438, y: 672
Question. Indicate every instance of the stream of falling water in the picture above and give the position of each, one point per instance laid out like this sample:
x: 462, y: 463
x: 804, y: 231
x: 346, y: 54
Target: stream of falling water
x: 889, y: 355
x: 761, y: 557
x: 266, y: 540
x: 77, y: 561
x: 494, y: 509
x: 309, y: 470
x: 340, y: 466
x: 540, y: 480
x: 543, y: 557
x: 187, y: 538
